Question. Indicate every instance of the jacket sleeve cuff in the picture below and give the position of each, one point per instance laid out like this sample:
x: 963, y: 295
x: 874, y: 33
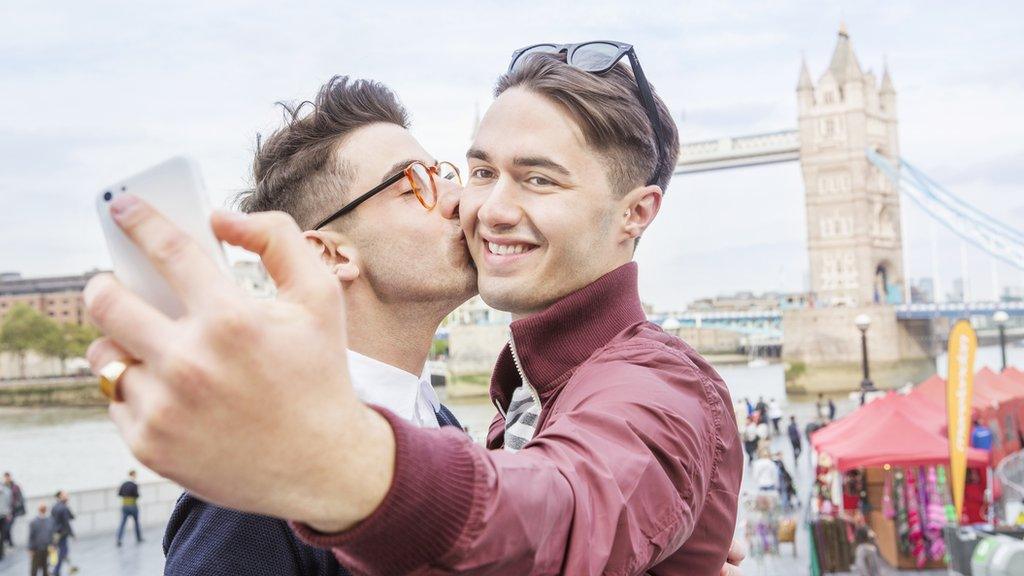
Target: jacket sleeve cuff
x: 424, y: 512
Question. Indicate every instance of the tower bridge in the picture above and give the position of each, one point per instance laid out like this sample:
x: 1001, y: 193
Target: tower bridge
x: 847, y: 144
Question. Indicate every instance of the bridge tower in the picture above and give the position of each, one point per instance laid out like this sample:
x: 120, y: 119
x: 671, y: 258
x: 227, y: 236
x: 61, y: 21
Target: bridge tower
x: 853, y: 235
x: 853, y: 210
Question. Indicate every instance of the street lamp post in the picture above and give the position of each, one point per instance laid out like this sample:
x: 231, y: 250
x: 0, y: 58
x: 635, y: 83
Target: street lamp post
x: 863, y: 321
x: 1000, y: 318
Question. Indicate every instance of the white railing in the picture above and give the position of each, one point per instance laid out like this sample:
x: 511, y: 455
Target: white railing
x: 99, y: 511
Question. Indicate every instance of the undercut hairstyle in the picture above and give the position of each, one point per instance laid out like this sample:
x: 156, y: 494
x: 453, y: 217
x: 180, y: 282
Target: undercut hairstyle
x: 296, y: 169
x: 608, y: 111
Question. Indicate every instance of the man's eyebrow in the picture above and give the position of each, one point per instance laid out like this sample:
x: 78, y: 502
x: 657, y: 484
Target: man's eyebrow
x: 540, y: 162
x: 523, y: 161
x: 478, y: 154
x: 402, y: 165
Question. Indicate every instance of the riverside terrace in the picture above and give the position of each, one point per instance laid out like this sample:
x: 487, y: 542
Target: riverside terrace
x: 95, y: 553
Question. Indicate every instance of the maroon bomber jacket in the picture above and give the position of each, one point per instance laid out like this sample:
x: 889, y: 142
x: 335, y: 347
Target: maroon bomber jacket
x: 635, y: 466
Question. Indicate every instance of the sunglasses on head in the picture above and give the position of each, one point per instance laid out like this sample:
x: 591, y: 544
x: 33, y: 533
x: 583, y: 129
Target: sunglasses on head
x: 598, y: 57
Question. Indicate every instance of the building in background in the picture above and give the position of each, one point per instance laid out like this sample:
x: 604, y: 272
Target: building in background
x: 474, y: 312
x: 56, y: 297
x: 476, y: 334
x: 922, y: 291
x: 1013, y: 294
x: 749, y: 301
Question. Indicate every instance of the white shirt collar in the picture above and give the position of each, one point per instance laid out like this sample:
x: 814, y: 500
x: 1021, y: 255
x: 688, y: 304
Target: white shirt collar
x: 401, y: 392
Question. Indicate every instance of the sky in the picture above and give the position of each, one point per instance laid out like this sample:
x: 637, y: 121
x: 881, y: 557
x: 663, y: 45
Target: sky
x: 91, y: 92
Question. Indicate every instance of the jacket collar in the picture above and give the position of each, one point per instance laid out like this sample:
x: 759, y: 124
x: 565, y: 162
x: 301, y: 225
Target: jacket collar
x: 553, y: 342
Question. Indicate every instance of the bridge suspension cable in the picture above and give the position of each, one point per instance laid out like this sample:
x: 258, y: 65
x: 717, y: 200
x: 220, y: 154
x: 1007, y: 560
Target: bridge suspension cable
x: 982, y: 230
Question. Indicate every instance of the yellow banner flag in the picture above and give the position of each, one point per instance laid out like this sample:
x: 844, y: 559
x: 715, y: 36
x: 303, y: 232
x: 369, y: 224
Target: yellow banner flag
x: 963, y: 343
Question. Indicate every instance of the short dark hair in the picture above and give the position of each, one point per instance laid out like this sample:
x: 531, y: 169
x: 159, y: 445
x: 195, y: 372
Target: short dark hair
x: 295, y: 169
x: 608, y: 110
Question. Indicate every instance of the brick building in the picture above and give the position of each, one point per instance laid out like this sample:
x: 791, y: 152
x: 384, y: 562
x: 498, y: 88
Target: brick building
x: 56, y: 297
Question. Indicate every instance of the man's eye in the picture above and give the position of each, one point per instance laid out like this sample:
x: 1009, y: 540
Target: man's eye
x: 539, y: 181
x: 481, y: 173
x: 407, y: 192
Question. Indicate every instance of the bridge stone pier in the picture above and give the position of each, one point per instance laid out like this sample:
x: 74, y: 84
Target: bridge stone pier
x: 823, y: 347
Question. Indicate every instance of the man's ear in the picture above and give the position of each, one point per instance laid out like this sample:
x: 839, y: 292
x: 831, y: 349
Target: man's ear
x: 638, y: 208
x: 336, y: 252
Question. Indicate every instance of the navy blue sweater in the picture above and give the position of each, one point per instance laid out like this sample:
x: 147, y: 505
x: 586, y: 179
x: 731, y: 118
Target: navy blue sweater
x: 206, y: 540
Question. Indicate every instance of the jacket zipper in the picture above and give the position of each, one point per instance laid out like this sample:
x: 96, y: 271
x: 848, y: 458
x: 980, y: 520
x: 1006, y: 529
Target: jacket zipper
x: 522, y: 375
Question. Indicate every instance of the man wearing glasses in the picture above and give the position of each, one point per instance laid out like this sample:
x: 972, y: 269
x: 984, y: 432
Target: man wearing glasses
x: 613, y: 452
x: 351, y: 149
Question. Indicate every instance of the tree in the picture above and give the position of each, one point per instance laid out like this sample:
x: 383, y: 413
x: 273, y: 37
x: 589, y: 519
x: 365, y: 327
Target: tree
x: 65, y: 341
x: 23, y: 329
x: 80, y: 336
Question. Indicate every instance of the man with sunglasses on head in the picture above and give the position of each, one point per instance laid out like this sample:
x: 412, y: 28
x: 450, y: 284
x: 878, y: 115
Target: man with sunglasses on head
x: 403, y: 268
x: 626, y: 460
x: 613, y: 450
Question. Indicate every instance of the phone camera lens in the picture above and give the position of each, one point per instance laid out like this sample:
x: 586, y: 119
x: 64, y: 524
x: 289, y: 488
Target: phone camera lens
x: 107, y: 196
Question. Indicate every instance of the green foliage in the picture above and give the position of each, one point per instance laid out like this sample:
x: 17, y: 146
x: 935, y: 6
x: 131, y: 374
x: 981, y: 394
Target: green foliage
x: 78, y: 339
x: 795, y: 370
x: 26, y: 329
x: 438, y: 347
x: 65, y: 341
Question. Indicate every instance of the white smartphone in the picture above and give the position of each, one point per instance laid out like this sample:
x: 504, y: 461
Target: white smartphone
x: 175, y: 189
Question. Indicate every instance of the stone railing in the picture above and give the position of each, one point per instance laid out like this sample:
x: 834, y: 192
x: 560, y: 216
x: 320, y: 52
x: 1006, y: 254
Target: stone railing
x: 99, y: 511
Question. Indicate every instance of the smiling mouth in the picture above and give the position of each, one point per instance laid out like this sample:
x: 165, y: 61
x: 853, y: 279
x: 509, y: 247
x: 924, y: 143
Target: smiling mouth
x: 509, y: 249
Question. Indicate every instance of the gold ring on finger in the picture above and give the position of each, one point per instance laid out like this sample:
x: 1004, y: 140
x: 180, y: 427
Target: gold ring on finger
x: 110, y: 377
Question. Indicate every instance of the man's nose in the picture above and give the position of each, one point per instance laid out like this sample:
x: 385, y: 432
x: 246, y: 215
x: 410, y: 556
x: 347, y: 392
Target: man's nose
x: 501, y: 208
x: 450, y: 194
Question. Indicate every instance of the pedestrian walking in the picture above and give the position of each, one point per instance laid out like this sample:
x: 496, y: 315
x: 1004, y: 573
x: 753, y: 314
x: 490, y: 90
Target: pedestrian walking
x: 17, y: 506
x: 763, y: 432
x: 831, y: 410
x: 40, y: 537
x: 62, y: 517
x: 6, y: 513
x: 821, y: 407
x: 129, y: 493
x: 794, y: 438
x: 750, y: 438
x: 765, y: 473
x: 775, y: 414
x: 787, y: 489
x: 761, y: 409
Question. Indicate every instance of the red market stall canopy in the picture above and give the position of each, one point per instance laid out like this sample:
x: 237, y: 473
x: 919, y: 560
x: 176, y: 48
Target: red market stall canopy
x: 894, y: 437
x: 997, y: 386
x: 1000, y: 386
x: 990, y: 404
x: 933, y: 390
x: 1014, y: 375
x: 925, y: 414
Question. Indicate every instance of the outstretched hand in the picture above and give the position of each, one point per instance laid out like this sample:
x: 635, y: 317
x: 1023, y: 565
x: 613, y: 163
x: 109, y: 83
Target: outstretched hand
x: 732, y: 562
x: 244, y: 402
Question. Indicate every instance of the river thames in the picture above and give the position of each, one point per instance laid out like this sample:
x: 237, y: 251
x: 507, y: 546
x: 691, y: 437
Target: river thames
x: 75, y: 449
